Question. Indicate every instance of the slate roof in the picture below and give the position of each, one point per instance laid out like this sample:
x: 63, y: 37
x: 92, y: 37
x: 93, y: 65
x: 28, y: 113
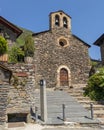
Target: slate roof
x: 61, y: 11
x: 11, y: 26
x: 99, y: 41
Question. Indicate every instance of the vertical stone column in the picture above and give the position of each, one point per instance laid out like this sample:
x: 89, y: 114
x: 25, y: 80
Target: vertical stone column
x: 43, y: 100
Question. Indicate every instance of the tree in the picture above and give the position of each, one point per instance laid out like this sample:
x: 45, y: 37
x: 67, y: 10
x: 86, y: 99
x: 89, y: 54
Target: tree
x: 29, y: 46
x: 95, y: 87
x: 3, y: 45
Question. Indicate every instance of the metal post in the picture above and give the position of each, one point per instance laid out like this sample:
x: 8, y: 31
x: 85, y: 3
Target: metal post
x: 63, y: 108
x: 92, y: 114
x: 36, y: 113
x: 43, y: 100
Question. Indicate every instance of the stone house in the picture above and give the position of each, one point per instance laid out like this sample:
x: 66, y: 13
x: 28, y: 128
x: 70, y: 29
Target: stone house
x: 61, y: 58
x: 10, y: 32
x: 100, y: 43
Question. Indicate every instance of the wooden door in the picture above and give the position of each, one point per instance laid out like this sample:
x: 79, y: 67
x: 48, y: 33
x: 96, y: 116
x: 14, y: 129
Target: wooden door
x: 63, y: 77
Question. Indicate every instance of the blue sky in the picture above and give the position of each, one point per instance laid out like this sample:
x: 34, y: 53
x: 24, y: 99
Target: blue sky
x: 87, y: 17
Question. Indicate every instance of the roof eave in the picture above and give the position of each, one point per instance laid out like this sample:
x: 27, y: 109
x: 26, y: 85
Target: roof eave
x: 98, y: 42
x: 60, y: 11
x: 82, y: 41
x: 14, y: 28
x: 34, y: 34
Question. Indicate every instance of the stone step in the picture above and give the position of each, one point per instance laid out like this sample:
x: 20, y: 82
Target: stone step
x: 16, y: 124
x: 95, y: 107
x: 99, y: 114
x: 84, y: 102
x: 101, y: 120
x: 76, y: 94
x: 82, y: 98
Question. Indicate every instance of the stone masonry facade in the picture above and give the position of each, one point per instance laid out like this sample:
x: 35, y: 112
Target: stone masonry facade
x: 21, y: 94
x: 18, y: 95
x: 51, y: 56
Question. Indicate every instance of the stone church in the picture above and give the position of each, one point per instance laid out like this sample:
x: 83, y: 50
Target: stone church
x: 61, y: 58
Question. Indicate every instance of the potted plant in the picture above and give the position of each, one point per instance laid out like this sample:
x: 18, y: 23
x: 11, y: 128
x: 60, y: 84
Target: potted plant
x: 29, y: 49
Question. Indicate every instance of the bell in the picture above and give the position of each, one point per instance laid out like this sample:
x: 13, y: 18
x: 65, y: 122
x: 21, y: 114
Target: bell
x: 65, y: 22
x: 56, y: 21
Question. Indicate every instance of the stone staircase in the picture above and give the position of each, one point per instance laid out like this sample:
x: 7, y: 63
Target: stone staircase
x: 74, y: 112
x: 86, y: 101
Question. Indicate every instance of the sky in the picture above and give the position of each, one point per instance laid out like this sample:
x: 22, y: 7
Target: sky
x: 87, y: 17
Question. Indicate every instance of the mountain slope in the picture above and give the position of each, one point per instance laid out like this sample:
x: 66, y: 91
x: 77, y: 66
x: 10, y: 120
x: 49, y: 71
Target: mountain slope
x: 20, y: 39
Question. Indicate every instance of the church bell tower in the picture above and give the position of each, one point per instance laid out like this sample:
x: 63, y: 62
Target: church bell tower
x: 60, y: 19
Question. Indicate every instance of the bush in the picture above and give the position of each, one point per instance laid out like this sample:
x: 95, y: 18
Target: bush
x: 95, y: 87
x: 16, y: 54
x: 3, y: 45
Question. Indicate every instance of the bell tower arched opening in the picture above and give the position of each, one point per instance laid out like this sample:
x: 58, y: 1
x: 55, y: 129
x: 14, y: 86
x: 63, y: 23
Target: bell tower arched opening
x: 57, y: 20
x: 65, y: 22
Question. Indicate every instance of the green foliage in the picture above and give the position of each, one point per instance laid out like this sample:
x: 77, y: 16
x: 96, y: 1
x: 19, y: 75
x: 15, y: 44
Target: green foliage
x: 3, y: 45
x: 29, y: 46
x: 94, y: 63
x: 20, y: 40
x: 95, y: 87
x: 16, y: 54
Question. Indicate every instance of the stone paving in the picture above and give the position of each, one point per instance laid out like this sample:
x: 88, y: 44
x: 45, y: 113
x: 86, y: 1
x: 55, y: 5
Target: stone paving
x: 71, y: 129
x: 41, y: 127
x: 74, y: 112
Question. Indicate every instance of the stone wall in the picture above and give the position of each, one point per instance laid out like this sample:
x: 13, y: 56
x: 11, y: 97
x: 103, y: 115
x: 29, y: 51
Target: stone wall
x: 49, y: 56
x: 5, y: 75
x: 21, y: 92
x: 4, y: 89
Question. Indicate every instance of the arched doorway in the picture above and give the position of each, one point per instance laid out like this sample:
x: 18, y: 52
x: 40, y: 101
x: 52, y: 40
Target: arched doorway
x: 64, y: 77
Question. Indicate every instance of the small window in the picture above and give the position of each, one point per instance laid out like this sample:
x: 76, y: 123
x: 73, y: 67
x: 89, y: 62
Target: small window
x: 57, y: 20
x: 62, y: 42
x: 17, y: 117
x: 65, y: 23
